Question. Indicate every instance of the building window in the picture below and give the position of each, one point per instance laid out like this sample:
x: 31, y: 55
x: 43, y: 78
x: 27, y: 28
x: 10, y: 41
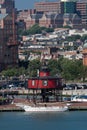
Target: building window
x: 33, y: 82
x: 57, y: 82
x: 45, y: 83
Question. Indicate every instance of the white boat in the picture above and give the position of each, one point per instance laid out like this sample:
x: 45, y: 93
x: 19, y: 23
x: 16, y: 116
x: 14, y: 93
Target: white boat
x: 79, y: 98
x: 28, y: 108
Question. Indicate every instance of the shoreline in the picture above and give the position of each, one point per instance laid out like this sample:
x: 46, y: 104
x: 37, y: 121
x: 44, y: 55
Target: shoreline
x: 75, y: 106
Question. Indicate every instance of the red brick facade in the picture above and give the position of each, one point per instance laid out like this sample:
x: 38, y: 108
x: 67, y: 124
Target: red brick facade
x: 8, y: 44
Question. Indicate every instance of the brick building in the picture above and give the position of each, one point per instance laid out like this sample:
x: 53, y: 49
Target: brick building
x: 6, y: 6
x: 52, y: 14
x: 72, y: 20
x: 49, y: 7
x: 8, y: 44
x: 81, y: 7
x: 8, y: 34
x: 47, y: 20
x: 23, y: 14
x: 26, y: 18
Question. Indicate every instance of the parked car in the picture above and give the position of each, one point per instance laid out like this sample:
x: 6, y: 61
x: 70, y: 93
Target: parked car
x: 68, y: 87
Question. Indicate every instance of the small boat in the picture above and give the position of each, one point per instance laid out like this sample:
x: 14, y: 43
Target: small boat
x: 79, y: 98
x: 45, y: 108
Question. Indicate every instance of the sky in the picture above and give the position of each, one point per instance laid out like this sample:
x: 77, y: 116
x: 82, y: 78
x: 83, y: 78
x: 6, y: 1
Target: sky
x: 26, y: 4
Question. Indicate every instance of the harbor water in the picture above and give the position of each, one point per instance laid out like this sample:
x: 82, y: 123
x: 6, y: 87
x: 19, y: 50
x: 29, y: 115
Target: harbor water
x: 73, y: 120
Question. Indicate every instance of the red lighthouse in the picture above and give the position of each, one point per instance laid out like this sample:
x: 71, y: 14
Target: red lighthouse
x: 46, y: 86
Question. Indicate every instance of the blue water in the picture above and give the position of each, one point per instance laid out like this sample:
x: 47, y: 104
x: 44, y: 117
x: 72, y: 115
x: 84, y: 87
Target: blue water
x: 76, y: 120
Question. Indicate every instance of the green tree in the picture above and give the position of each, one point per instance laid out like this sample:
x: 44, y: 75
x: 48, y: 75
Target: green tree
x: 84, y: 37
x: 73, y: 38
x: 71, y: 69
x: 35, y: 29
x: 10, y: 72
x: 53, y: 66
x: 33, y: 66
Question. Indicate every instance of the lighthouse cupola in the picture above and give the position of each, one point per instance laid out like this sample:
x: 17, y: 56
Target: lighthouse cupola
x: 44, y: 71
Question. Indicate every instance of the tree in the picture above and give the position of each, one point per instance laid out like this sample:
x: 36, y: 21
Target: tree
x: 71, y: 69
x: 35, y: 29
x: 53, y: 66
x: 33, y: 66
x: 84, y: 37
x: 10, y: 72
x: 23, y: 63
x: 73, y: 38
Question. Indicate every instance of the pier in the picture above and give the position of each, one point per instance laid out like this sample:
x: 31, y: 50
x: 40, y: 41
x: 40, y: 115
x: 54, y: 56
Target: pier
x: 10, y: 108
x: 74, y: 106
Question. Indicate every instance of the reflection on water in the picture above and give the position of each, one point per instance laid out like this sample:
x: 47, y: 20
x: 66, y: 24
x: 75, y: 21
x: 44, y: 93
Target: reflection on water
x: 47, y: 116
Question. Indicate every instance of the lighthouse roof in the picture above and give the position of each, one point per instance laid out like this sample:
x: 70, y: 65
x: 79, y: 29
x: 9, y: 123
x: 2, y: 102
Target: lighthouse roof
x: 85, y: 45
x: 45, y: 69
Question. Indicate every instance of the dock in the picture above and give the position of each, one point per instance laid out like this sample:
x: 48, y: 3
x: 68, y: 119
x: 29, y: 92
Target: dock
x: 74, y: 106
x: 78, y: 106
x: 10, y: 108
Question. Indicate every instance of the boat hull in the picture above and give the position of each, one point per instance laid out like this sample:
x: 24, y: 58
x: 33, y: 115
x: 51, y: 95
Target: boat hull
x: 44, y: 109
x: 28, y: 108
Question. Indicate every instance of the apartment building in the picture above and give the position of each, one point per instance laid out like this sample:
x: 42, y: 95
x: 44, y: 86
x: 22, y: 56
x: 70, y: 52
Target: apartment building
x: 49, y: 7
x: 81, y: 7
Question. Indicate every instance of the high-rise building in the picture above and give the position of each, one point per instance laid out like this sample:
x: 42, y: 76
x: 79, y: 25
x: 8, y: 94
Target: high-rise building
x: 81, y: 7
x: 8, y: 35
x: 69, y: 7
x: 6, y: 6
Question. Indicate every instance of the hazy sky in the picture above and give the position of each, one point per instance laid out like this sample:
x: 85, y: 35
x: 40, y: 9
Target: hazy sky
x: 24, y: 4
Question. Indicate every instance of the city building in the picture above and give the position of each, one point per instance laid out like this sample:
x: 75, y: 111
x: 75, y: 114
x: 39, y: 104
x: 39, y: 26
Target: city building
x: 69, y: 7
x: 48, y: 6
x: 23, y: 14
x: 27, y: 18
x: 8, y: 34
x: 85, y: 54
x: 8, y: 42
x: 72, y: 20
x: 7, y: 6
x: 81, y: 7
x: 47, y: 20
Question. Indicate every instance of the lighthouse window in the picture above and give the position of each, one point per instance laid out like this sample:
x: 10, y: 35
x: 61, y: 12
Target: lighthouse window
x: 33, y: 82
x: 45, y: 83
